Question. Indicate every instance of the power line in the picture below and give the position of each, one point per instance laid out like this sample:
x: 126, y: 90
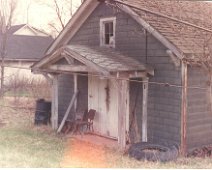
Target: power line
x: 130, y: 80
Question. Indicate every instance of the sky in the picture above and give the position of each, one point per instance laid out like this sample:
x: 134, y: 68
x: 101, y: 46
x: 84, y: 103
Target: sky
x: 41, y: 13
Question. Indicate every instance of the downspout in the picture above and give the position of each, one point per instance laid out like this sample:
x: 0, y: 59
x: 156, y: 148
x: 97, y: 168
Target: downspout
x: 183, y: 147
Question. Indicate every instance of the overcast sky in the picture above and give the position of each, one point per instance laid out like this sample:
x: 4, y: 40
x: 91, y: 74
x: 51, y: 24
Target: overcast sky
x: 40, y: 13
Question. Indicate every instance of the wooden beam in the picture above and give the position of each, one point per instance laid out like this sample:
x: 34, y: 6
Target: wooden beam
x: 67, y: 112
x: 152, y: 31
x: 122, y: 112
x: 69, y: 59
x: 75, y: 91
x: 137, y: 74
x: 48, y: 78
x: 69, y: 68
x: 174, y: 58
x: 184, y: 71
x: 144, y: 109
x: 48, y: 59
x: 54, y: 117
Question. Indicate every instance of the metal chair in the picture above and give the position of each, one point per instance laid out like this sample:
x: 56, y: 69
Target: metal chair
x: 87, y: 121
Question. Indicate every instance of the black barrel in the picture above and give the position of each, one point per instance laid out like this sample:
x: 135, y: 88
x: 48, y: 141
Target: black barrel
x: 42, y: 112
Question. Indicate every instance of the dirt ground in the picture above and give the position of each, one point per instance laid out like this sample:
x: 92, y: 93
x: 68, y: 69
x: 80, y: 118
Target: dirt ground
x: 81, y: 154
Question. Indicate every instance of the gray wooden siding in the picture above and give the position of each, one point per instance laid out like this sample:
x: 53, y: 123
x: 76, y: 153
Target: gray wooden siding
x: 66, y: 90
x: 199, y: 128
x: 82, y: 104
x: 164, y: 104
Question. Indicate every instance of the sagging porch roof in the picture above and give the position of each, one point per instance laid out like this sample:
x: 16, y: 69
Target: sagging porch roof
x: 96, y: 59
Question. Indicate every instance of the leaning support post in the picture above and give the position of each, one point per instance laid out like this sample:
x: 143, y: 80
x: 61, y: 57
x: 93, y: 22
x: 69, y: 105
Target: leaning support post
x: 184, y: 109
x: 54, y: 117
x: 122, y: 112
x: 144, y: 109
x: 67, y: 112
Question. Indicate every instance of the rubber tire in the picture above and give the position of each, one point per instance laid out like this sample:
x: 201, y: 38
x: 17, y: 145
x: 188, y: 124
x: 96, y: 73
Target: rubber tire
x: 166, y: 151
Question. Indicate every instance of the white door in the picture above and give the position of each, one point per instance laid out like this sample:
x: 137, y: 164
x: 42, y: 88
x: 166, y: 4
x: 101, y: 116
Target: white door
x: 103, y: 97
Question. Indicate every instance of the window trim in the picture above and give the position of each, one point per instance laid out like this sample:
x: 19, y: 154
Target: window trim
x: 102, y: 31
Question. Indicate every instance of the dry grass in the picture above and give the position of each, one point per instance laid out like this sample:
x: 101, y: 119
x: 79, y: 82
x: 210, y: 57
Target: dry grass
x: 81, y: 154
x: 21, y: 143
x: 24, y: 145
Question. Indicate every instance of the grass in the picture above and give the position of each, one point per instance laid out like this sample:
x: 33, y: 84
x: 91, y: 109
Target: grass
x: 24, y: 145
x: 111, y: 158
x: 20, y: 147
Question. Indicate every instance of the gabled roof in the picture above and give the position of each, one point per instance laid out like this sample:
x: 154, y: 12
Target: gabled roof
x: 101, y: 60
x: 185, y: 24
x: 26, y: 45
x: 21, y: 47
x: 28, y: 30
x: 184, y: 27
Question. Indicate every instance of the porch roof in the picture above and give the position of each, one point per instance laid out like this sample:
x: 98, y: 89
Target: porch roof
x: 100, y: 59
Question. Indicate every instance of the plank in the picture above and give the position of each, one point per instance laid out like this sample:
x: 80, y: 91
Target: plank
x: 67, y: 112
x: 122, y: 112
x: 75, y: 91
x: 144, y: 110
x: 54, y: 108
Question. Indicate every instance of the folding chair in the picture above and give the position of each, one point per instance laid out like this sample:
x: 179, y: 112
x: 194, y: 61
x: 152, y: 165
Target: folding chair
x: 87, y: 121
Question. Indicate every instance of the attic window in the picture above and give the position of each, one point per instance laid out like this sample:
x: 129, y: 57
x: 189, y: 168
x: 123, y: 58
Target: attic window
x: 107, y: 32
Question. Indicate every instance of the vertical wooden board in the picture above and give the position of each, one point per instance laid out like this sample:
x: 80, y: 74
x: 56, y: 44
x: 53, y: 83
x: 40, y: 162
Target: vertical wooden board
x: 75, y: 90
x: 144, y: 111
x: 128, y: 107
x: 93, y: 100
x: 122, y: 110
x: 113, y: 110
x: 102, y: 106
x: 54, y: 109
x: 103, y: 97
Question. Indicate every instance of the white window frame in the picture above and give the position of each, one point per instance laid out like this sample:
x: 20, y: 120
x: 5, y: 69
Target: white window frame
x: 102, y: 31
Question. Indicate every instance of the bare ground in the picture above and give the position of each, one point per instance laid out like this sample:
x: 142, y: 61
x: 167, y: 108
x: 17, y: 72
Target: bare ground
x: 80, y: 154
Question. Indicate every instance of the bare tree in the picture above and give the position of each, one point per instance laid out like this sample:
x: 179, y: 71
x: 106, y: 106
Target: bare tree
x: 64, y: 11
x: 6, y: 17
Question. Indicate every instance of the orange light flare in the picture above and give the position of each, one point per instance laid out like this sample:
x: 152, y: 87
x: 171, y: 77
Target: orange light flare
x: 80, y: 154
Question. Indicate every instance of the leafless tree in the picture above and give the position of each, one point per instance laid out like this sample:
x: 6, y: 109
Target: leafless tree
x: 6, y: 17
x: 64, y: 11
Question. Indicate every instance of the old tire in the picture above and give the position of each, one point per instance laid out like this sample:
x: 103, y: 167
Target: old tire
x: 153, y: 151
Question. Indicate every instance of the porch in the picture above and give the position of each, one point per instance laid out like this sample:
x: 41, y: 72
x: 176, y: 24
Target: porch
x: 109, y: 74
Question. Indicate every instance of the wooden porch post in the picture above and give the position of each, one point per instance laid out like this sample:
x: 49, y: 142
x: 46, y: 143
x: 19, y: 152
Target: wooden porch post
x: 122, y: 111
x: 54, y: 118
x: 183, y: 148
x: 144, y: 109
x: 75, y: 91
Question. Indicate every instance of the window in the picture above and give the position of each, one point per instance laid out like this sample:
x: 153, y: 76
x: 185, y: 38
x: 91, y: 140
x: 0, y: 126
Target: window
x: 107, y: 32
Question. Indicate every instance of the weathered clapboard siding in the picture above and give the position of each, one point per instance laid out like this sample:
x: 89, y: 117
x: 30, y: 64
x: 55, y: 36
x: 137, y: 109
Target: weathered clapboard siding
x: 82, y: 100
x: 66, y: 91
x: 164, y: 106
x: 199, y: 128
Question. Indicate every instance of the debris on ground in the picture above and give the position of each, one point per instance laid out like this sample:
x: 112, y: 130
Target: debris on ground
x: 205, y: 151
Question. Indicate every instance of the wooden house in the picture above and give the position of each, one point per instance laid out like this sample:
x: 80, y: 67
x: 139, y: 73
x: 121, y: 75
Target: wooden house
x: 143, y: 65
x: 24, y: 46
